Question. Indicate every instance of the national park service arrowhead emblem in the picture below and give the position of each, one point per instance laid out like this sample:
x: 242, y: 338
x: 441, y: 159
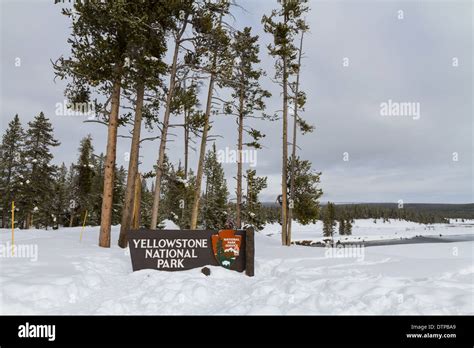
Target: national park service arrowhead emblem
x: 226, y: 247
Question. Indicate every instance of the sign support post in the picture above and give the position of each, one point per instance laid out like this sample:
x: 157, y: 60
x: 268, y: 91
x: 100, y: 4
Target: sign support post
x: 250, y: 252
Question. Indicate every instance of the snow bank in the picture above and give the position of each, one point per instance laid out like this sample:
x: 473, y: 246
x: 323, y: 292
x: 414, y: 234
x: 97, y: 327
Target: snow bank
x: 72, y: 277
x: 170, y: 225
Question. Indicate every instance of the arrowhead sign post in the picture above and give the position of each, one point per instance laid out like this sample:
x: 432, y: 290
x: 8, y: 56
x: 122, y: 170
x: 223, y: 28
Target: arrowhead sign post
x: 178, y: 250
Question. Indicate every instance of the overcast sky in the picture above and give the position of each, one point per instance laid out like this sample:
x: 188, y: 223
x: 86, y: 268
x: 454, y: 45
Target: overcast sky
x: 390, y: 158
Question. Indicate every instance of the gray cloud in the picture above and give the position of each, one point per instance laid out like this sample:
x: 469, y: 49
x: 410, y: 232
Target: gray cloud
x: 390, y: 158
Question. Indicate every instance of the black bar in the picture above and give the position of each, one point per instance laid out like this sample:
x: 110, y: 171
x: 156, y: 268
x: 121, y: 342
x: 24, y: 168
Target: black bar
x: 261, y: 330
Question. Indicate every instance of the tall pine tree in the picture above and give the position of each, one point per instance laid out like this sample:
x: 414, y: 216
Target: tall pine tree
x: 214, y: 210
x: 11, y: 166
x: 85, y: 175
x: 283, y: 25
x: 252, y: 212
x: 39, y: 177
x: 213, y: 46
x: 180, y: 14
x: 101, y: 41
x: 149, y: 47
x: 299, y: 100
x: 247, y: 97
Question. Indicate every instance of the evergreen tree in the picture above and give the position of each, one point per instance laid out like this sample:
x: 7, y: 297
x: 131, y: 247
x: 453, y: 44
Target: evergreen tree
x: 178, y: 196
x: 39, y: 178
x: 146, y: 204
x: 283, y: 24
x: 180, y: 14
x: 11, y: 167
x: 60, y: 203
x: 342, y: 227
x: 188, y: 103
x: 214, y: 209
x: 119, y: 194
x: 169, y: 201
x: 329, y: 220
x: 85, y: 175
x: 72, y: 198
x: 252, y: 210
x: 167, y: 172
x: 306, y: 191
x: 247, y: 97
x: 299, y: 100
x: 149, y: 42
x: 348, y: 227
x: 103, y: 39
x: 186, y: 198
x: 212, y: 47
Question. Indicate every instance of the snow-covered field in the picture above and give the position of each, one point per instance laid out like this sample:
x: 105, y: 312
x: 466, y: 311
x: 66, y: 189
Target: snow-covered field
x: 368, y: 230
x: 72, y: 277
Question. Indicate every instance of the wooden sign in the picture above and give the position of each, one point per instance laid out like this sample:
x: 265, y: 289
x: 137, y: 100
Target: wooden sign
x: 178, y: 250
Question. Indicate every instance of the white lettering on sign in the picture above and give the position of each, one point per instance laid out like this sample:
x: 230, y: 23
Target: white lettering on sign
x: 170, y: 253
x: 173, y: 263
x: 171, y: 243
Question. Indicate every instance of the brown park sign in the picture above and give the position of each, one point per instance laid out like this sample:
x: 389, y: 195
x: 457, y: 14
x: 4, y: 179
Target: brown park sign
x: 178, y: 250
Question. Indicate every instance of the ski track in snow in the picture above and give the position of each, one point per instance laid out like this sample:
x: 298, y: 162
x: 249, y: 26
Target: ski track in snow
x: 82, y: 278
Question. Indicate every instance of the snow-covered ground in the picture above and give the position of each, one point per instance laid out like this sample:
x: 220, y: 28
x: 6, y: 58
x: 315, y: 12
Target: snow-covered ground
x: 368, y: 230
x: 72, y: 277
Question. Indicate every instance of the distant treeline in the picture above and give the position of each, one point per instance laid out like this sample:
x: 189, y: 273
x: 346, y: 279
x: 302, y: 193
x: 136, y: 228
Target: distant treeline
x: 416, y: 212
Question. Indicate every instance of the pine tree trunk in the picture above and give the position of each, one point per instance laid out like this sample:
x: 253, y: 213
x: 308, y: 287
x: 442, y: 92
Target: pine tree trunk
x: 137, y: 202
x: 109, y: 171
x: 132, y: 168
x: 284, y: 175
x: 186, y: 144
x: 250, y: 202
x: 293, y: 150
x: 71, y: 219
x: 28, y: 221
x: 202, y: 153
x: 164, y: 133
x: 239, y: 163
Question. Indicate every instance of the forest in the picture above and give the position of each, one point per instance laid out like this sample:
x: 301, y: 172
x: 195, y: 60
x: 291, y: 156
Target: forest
x: 142, y: 66
x: 136, y: 64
